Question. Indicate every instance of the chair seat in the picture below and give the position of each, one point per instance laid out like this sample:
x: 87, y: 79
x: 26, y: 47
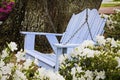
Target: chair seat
x: 49, y: 59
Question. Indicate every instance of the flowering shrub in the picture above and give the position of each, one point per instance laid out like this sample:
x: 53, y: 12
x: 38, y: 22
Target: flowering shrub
x: 5, y: 9
x: 112, y: 28
x: 16, y: 67
x: 89, y: 61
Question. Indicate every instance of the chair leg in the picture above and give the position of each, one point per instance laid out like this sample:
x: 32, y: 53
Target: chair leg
x: 59, y: 52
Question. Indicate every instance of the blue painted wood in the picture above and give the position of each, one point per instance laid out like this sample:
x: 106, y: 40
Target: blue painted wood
x: 66, y: 44
x: 29, y: 42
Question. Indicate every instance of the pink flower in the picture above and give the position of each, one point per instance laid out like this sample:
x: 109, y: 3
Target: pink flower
x: 5, y: 9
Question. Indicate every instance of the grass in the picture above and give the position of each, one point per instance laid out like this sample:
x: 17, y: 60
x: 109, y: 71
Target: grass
x: 110, y: 4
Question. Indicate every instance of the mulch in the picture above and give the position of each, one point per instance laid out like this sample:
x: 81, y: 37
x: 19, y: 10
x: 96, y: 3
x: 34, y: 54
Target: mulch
x: 108, y: 10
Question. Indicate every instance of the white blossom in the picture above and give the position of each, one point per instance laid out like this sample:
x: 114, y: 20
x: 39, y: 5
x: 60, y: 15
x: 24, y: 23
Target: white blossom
x: 113, y: 43
x: 87, y: 43
x: 11, y: 65
x: 104, y: 15
x: 100, y: 75
x: 36, y: 61
x: 89, y: 75
x: 73, y: 71
x: 118, y: 60
x: 101, y: 40
x: 117, y: 10
x: 19, y: 66
x: 53, y: 75
x: 42, y: 73
x: 27, y: 63
x: 77, y: 51
x: 6, y: 70
x: 62, y: 58
x: 19, y: 75
x: 4, y: 77
x: 82, y: 78
x: 12, y: 46
x: 4, y: 54
x: 20, y: 56
x: 97, y: 53
x: 59, y: 77
x: 79, y: 69
x: 1, y: 63
x: 88, y: 52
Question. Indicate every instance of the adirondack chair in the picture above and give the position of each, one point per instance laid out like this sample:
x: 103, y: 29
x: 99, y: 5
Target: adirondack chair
x: 82, y: 26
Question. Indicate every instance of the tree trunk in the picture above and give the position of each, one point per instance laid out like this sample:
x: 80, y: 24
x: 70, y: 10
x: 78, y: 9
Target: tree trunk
x: 41, y: 15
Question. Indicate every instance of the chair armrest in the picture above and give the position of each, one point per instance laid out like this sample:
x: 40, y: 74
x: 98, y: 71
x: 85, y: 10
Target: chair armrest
x: 66, y: 45
x: 30, y: 38
x: 41, y: 33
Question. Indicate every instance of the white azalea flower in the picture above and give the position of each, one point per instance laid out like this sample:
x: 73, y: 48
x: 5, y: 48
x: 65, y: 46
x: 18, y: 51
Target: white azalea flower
x: 20, y: 56
x: 12, y: 46
x: 97, y: 53
x: 4, y: 77
x: 117, y: 10
x: 36, y: 61
x: 87, y: 43
x: 77, y: 51
x: 100, y: 75
x: 79, y: 69
x: 11, y: 65
x: 4, y: 54
x: 2, y: 63
x: 42, y: 73
x: 6, y: 70
x: 58, y: 76
x: 73, y: 71
x: 104, y: 15
x: 62, y: 58
x: 27, y: 63
x: 51, y: 75
x: 118, y: 52
x: 101, y: 40
x: 88, y: 52
x: 118, y: 60
x: 82, y: 78
x: 113, y: 43
x: 89, y: 75
x: 109, y: 40
x: 19, y: 75
x: 18, y: 66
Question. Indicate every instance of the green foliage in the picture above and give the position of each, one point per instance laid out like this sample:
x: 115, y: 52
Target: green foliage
x: 110, y: 4
x: 116, y: 0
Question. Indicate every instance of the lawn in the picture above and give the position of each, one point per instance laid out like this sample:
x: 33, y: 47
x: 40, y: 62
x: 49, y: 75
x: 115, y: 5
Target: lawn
x: 110, y: 4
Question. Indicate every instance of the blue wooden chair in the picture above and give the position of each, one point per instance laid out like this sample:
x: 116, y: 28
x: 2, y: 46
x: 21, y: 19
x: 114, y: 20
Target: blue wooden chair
x: 82, y: 26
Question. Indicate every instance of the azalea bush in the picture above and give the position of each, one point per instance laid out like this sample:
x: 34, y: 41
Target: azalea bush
x: 92, y: 61
x: 98, y: 60
x: 112, y: 28
x: 14, y: 66
x: 5, y: 9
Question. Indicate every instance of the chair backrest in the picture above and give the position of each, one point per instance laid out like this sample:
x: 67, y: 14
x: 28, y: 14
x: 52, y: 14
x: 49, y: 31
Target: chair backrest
x: 77, y: 29
x: 73, y: 25
x: 80, y: 31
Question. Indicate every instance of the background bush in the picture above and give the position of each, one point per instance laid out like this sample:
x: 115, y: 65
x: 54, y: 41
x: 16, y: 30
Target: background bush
x: 113, y: 25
